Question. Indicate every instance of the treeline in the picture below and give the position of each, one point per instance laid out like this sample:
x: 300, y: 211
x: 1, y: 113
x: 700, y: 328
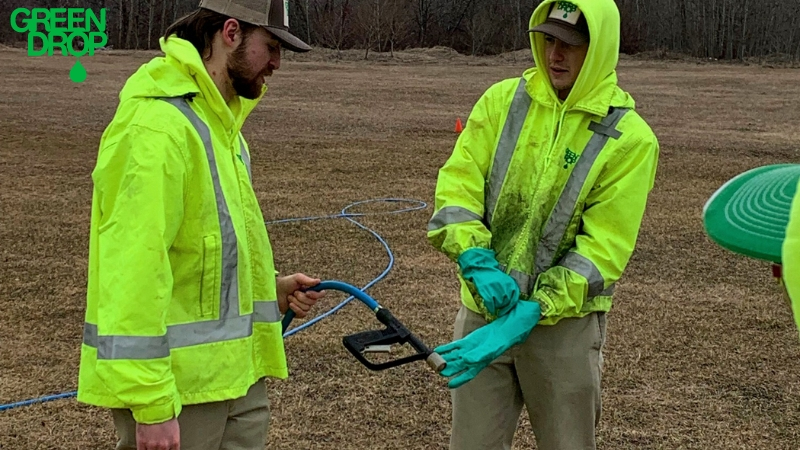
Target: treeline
x: 723, y: 29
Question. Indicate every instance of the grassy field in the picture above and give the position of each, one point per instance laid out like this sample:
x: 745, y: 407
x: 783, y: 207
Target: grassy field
x: 701, y: 350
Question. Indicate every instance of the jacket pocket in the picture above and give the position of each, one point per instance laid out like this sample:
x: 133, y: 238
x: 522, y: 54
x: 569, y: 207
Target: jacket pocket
x: 210, y: 278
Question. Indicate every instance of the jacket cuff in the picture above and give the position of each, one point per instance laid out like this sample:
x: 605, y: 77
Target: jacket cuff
x: 153, y: 414
x: 546, y: 304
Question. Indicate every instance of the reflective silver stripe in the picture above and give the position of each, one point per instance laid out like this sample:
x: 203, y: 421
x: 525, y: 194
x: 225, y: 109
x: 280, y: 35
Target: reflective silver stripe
x: 245, y: 157
x: 450, y: 215
x: 505, y: 147
x: 229, y: 295
x: 266, y: 312
x: 178, y: 336
x: 609, y: 291
x: 582, y: 265
x: 231, y: 325
x: 198, y: 333
x: 132, y: 347
x: 90, y: 334
x: 605, y: 130
x: 562, y: 213
x: 524, y: 281
x: 125, y: 347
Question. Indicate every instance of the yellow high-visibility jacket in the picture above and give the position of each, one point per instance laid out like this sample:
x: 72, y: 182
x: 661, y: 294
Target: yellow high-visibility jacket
x: 790, y: 258
x: 556, y: 188
x: 181, y: 301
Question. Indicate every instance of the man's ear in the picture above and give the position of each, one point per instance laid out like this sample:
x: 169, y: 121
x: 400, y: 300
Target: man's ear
x: 231, y: 33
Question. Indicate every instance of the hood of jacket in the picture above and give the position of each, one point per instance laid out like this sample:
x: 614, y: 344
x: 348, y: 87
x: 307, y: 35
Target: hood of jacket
x: 595, y: 89
x: 181, y: 71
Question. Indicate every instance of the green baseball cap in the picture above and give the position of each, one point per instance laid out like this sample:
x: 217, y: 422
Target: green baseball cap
x: 749, y: 213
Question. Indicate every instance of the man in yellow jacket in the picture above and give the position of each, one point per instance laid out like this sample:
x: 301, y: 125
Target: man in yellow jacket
x: 540, y: 206
x: 183, y: 316
x: 791, y: 256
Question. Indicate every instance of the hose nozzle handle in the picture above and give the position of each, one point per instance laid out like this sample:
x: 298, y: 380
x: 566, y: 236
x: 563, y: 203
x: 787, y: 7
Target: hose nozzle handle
x: 436, y: 362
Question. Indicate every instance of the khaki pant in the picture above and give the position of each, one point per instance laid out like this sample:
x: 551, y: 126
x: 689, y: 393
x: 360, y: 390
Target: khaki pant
x: 555, y: 373
x: 240, y: 424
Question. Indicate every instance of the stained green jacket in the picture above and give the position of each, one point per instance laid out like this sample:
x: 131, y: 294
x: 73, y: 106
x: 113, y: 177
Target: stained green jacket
x: 181, y: 299
x: 557, y: 188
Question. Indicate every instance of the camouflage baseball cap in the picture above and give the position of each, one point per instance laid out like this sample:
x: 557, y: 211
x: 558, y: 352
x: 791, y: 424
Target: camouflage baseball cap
x: 270, y: 14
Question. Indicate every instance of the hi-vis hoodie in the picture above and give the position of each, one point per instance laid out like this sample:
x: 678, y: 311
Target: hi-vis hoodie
x: 557, y: 188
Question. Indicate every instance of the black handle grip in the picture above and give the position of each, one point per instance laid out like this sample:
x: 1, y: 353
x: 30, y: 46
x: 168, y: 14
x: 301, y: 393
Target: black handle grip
x: 394, y: 333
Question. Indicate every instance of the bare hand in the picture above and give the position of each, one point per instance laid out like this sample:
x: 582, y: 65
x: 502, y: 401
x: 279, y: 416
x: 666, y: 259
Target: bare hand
x: 291, y: 296
x: 160, y: 436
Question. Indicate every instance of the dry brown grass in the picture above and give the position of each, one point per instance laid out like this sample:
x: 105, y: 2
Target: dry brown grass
x: 702, y: 353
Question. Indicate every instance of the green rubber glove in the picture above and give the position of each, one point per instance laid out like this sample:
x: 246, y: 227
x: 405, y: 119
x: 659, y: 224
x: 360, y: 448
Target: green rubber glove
x: 469, y: 355
x: 497, y: 289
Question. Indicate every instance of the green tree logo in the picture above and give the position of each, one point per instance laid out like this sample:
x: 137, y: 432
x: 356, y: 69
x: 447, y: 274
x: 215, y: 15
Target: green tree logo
x: 570, y: 157
x: 567, y: 7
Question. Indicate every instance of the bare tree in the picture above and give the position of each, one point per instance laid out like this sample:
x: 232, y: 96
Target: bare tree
x: 163, y: 21
x: 130, y: 30
x: 367, y: 23
x: 423, y: 14
x: 479, y: 26
x: 150, y: 24
x: 333, y: 20
x: 395, y: 19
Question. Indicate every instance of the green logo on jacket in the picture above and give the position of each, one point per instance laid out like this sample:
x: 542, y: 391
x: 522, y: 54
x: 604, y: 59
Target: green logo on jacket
x: 570, y: 157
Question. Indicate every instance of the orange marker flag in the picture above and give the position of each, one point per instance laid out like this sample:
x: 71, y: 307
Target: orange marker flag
x: 459, y: 126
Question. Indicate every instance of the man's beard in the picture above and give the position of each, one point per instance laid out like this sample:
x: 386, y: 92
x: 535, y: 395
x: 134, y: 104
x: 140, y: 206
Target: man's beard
x: 245, y: 86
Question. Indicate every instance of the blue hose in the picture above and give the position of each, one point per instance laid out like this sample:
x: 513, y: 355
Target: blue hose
x: 334, y: 285
x: 345, y: 215
x: 48, y: 398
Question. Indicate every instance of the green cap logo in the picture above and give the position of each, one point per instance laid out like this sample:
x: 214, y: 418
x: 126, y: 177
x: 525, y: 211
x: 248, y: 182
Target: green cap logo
x: 567, y: 7
x: 75, y: 31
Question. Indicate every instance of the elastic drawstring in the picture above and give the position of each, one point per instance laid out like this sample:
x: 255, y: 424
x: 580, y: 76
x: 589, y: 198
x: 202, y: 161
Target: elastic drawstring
x: 557, y: 120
